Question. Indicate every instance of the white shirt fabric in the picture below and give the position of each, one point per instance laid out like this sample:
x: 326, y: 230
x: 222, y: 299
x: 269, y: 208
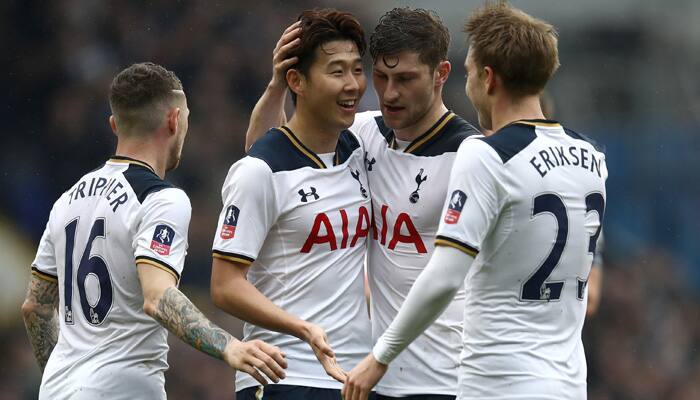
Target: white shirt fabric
x: 528, y: 202
x: 303, y: 226
x: 409, y: 186
x: 112, y: 218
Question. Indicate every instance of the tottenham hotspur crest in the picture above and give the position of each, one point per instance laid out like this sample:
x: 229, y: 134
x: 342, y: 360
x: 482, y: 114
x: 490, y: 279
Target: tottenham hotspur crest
x: 419, y: 180
x: 356, y: 174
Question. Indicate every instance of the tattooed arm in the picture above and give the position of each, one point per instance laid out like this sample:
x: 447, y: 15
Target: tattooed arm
x: 172, y: 309
x: 40, y: 318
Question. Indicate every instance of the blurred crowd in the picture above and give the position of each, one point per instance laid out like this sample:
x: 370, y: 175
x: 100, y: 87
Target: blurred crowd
x: 61, y: 56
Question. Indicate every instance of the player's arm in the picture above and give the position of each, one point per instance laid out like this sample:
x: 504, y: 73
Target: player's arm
x: 171, y: 308
x: 473, y: 201
x: 428, y: 298
x: 232, y: 292
x: 39, y: 312
x: 250, y: 209
x: 595, y: 279
x: 269, y: 110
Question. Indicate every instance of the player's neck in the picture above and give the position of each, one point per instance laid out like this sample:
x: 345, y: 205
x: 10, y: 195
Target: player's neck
x: 411, y: 133
x: 506, y: 110
x: 145, y: 151
x: 316, y: 136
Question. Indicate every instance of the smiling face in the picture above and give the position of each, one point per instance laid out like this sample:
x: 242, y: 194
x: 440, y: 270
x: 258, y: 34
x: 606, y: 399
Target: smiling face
x: 334, y: 84
x: 406, y: 88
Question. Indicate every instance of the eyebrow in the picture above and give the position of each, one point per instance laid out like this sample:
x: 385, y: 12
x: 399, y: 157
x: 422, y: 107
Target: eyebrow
x: 342, y: 62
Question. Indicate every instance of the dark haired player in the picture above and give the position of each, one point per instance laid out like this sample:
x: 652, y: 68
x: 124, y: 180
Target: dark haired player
x: 410, y: 147
x: 521, y: 221
x: 111, y: 257
x: 289, y: 249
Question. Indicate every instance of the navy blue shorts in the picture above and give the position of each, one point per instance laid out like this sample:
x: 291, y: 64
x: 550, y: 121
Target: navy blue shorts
x: 290, y: 392
x: 418, y: 397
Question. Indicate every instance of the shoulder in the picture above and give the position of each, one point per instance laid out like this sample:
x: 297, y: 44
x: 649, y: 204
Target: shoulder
x: 278, y: 151
x: 579, y: 136
x: 143, y: 181
x: 365, y: 120
x: 451, y: 136
x: 169, y: 197
x: 249, y: 171
x: 511, y: 140
x: 348, y: 142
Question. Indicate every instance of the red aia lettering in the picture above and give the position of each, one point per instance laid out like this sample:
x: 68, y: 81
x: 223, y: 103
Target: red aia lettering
x: 403, y: 224
x: 316, y: 237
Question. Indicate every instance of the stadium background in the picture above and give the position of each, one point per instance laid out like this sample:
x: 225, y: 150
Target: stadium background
x: 628, y: 79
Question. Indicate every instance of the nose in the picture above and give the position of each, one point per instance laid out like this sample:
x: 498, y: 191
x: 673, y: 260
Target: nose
x: 352, y: 84
x: 391, y: 94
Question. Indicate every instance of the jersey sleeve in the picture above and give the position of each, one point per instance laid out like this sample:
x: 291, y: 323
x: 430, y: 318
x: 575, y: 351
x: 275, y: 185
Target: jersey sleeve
x: 249, y: 211
x: 44, y: 264
x: 161, y: 238
x: 474, y: 197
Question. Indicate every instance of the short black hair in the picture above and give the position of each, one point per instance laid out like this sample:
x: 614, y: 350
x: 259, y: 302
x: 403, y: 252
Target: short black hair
x: 136, y: 89
x: 417, y: 30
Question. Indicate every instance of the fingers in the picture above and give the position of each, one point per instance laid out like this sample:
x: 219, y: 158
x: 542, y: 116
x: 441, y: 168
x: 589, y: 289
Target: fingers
x: 291, y: 27
x: 282, y: 53
x: 275, y: 353
x: 322, y: 345
x: 268, y: 366
x: 288, y: 36
x: 250, y: 370
x: 332, y: 368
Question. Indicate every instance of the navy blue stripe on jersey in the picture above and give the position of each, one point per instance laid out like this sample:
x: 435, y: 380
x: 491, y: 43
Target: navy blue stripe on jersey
x: 157, y: 263
x: 144, y: 181
x: 457, y: 244
x: 43, y: 274
x: 511, y: 139
x: 448, y: 139
x: 585, y: 138
x: 347, y: 144
x: 387, y: 132
x: 281, y: 154
x: 235, y: 257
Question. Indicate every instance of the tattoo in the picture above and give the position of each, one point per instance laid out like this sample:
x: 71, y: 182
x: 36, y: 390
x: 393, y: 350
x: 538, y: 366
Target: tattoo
x: 177, y: 313
x: 40, y: 318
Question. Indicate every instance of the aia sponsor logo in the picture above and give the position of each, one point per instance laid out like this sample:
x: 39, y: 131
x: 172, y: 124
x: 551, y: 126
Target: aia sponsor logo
x: 162, y: 239
x: 454, y: 210
x: 228, y: 228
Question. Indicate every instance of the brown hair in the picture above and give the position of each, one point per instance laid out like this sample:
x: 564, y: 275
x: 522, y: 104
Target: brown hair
x: 319, y: 26
x: 521, y: 49
x: 416, y: 30
x: 137, y: 91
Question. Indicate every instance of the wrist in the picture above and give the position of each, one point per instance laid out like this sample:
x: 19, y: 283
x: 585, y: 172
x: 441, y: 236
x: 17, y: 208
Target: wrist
x: 302, y: 330
x: 232, y: 341
x: 277, y: 86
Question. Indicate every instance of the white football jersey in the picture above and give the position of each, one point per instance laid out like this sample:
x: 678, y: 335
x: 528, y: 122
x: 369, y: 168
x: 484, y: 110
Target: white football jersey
x: 112, y: 218
x: 408, y: 190
x: 303, y: 225
x: 528, y: 203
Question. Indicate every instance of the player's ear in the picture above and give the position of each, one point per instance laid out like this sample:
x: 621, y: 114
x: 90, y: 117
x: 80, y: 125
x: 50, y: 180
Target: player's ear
x: 173, y: 120
x: 295, y: 80
x: 113, y: 124
x: 489, y: 80
x: 442, y: 72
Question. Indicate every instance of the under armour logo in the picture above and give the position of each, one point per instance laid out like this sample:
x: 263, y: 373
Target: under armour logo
x: 304, y: 195
x: 356, y: 174
x: 368, y: 162
x: 419, y: 179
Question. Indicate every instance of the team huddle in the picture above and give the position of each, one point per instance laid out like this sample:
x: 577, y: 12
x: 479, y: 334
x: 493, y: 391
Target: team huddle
x: 475, y: 247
